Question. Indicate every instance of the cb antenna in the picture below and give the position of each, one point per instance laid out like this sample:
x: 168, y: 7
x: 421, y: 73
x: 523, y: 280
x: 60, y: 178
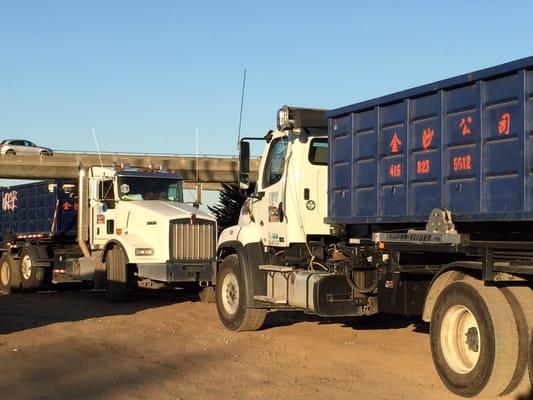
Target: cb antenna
x: 97, y: 148
x: 197, y: 167
x: 242, y: 102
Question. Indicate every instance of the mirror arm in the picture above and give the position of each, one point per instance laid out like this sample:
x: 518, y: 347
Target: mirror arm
x: 257, y: 195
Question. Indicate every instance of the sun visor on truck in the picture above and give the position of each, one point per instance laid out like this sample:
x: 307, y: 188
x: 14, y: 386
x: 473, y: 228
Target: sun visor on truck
x: 149, y: 174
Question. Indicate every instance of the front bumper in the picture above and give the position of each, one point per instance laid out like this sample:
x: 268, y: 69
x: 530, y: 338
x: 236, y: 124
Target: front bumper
x: 177, y: 271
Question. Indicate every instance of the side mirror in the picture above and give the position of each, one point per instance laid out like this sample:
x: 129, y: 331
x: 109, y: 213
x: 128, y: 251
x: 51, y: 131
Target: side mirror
x: 244, y: 157
x: 244, y: 165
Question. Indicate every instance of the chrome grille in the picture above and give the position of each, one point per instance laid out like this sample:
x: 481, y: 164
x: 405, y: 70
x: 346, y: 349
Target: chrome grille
x: 192, y: 241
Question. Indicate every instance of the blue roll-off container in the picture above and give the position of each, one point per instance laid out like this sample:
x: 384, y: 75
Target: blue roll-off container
x: 30, y: 208
x: 464, y: 144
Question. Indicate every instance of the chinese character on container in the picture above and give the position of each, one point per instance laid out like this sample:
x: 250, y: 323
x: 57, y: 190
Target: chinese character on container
x: 9, y: 201
x: 395, y: 143
x: 427, y: 138
x: 464, y: 124
x: 504, y: 124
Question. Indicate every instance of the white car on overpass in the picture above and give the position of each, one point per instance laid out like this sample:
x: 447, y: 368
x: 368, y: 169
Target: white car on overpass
x: 12, y: 147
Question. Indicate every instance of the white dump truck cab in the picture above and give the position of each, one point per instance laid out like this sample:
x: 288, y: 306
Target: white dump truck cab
x: 137, y: 228
x: 290, y: 198
x: 274, y: 258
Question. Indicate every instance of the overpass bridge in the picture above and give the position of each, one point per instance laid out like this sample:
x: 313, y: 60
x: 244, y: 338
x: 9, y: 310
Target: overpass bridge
x: 209, y: 170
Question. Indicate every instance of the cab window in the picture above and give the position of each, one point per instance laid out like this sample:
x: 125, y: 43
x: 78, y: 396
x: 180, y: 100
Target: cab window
x: 275, y: 162
x: 107, y: 193
x: 318, y: 151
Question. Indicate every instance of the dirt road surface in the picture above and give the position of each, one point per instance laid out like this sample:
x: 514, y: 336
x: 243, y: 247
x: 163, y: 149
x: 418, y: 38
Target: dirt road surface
x: 166, y: 345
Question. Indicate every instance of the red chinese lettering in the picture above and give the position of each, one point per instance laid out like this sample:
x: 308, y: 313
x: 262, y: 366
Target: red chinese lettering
x: 504, y: 124
x: 422, y: 167
x: 9, y: 201
x: 464, y: 124
x: 395, y: 143
x: 427, y: 137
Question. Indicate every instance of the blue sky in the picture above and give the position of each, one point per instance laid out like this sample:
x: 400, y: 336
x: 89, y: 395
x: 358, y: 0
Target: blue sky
x: 145, y: 74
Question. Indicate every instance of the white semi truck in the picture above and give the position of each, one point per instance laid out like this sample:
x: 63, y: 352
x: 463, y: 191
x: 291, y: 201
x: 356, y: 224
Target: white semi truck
x: 117, y: 226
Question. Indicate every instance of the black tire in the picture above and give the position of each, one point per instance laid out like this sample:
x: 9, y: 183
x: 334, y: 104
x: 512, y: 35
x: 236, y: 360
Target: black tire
x: 207, y: 295
x: 100, y: 275
x: 9, y: 275
x: 10, y: 152
x: 520, y: 299
x: 45, y: 153
x: 230, y: 295
x: 31, y: 276
x: 530, y: 360
x: 483, y: 363
x: 117, y: 275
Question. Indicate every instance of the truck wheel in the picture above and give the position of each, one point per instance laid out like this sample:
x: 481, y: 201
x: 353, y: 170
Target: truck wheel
x: 474, y: 339
x: 520, y: 299
x: 9, y: 275
x: 530, y: 359
x: 117, y: 277
x: 230, y: 295
x: 31, y: 277
x: 207, y: 295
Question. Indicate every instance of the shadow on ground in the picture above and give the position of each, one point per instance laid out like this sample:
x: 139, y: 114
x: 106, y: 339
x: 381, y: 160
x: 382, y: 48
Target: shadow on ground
x: 103, y: 373
x: 378, y: 321
x: 23, y: 311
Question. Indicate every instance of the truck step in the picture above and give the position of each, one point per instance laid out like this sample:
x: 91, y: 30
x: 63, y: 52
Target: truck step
x: 267, y: 299
x: 276, y: 268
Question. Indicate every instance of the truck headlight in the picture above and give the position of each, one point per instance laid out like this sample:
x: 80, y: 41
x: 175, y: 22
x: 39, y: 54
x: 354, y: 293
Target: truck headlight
x: 144, y: 252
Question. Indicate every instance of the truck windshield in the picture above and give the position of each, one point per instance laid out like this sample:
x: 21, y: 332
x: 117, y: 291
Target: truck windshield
x: 137, y: 188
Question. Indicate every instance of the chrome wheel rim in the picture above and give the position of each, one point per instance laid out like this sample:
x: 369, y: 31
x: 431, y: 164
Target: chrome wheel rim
x: 26, y: 267
x: 460, y: 339
x: 230, y: 293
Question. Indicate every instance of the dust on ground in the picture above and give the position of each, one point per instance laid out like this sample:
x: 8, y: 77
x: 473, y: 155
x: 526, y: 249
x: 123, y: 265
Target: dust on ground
x: 167, y: 345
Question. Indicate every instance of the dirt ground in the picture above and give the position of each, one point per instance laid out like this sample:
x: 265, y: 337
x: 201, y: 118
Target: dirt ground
x: 166, y: 345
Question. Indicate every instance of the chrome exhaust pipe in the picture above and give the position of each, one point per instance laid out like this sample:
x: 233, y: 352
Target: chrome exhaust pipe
x: 83, y: 212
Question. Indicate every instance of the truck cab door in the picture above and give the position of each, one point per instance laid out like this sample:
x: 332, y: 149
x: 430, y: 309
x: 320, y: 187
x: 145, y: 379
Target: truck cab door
x: 312, y: 188
x: 103, y: 211
x: 270, y: 209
